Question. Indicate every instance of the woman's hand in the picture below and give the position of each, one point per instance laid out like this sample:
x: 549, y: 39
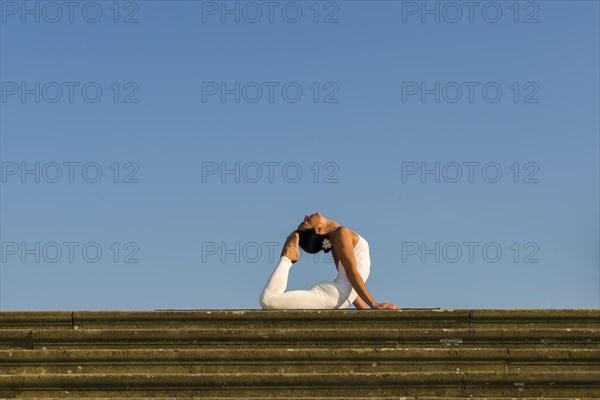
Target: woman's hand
x: 385, y: 306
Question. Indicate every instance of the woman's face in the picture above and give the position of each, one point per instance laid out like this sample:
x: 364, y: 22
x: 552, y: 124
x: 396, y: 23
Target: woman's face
x: 311, y: 221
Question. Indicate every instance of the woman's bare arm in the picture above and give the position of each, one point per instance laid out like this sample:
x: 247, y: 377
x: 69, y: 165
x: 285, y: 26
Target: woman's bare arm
x: 360, y: 304
x: 341, y: 241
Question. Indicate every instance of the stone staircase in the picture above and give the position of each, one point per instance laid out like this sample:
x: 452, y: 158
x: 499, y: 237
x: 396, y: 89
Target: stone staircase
x: 301, y: 354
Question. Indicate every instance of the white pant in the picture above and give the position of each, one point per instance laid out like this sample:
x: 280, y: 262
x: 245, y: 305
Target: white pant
x: 324, y: 295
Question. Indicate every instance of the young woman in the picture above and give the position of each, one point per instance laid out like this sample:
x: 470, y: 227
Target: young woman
x: 351, y: 257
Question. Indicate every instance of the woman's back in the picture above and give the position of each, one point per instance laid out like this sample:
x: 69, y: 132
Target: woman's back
x: 363, y: 262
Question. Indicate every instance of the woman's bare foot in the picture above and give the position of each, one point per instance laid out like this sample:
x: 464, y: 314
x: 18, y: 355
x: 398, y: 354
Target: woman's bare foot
x: 290, y: 247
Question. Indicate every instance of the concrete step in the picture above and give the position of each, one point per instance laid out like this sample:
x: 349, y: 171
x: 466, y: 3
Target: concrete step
x: 84, y: 361
x: 457, y: 384
x: 332, y: 319
x: 264, y: 336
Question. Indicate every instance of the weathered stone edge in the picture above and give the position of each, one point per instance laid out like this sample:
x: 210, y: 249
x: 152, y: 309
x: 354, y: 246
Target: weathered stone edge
x: 178, y: 316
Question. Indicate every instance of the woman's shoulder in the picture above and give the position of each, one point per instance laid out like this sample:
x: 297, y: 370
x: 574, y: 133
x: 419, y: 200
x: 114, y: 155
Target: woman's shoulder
x: 344, y: 231
x: 341, y: 231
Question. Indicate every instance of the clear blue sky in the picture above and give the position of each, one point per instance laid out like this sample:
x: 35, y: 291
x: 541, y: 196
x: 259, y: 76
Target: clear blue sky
x: 517, y: 90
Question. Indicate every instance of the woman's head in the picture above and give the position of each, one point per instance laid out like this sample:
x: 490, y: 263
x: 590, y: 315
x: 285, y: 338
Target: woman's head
x: 312, y: 232
x: 316, y: 221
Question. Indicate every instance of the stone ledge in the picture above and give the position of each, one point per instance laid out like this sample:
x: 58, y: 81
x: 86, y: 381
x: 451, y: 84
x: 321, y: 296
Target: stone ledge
x: 474, y: 315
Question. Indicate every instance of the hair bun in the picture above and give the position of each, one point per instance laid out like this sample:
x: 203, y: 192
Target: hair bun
x: 312, y: 242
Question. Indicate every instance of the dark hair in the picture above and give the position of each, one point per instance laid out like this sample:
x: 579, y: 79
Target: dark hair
x: 311, y: 241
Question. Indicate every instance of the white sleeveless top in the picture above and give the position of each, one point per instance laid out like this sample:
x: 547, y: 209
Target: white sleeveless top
x: 363, y: 263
